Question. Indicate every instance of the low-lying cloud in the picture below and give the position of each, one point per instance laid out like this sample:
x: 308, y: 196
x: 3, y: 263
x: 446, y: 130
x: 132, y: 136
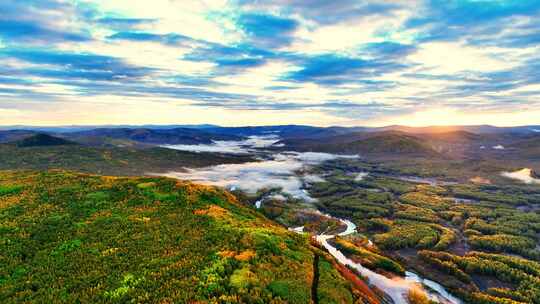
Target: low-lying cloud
x: 524, y: 175
x: 361, y: 176
x: 279, y: 172
x: 233, y: 147
x: 312, y: 179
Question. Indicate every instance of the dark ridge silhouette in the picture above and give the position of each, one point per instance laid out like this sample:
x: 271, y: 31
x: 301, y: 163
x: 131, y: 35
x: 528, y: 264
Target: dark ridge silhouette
x: 43, y: 140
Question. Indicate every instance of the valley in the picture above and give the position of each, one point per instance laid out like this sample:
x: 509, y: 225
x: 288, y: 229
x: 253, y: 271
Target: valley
x: 404, y: 215
x: 270, y: 152
x: 392, y: 221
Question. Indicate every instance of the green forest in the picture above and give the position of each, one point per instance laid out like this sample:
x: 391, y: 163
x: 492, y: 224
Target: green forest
x: 479, y: 241
x: 69, y: 237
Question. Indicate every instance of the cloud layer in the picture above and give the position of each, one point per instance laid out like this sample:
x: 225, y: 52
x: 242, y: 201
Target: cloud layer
x: 233, y: 62
x: 279, y: 172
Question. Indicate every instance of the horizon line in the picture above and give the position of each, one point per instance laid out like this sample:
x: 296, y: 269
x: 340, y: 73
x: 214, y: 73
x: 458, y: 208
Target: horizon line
x: 6, y: 127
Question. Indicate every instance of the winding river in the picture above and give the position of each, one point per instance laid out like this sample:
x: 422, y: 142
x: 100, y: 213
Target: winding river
x: 280, y: 170
x: 396, y: 288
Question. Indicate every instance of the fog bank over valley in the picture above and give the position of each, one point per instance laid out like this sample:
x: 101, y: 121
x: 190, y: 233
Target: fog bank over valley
x: 280, y: 170
x: 524, y: 175
x: 233, y: 147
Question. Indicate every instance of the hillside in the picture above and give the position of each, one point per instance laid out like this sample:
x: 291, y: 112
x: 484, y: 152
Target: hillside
x: 456, y: 145
x: 284, y: 131
x: 477, y: 129
x: 128, y: 136
x: 67, y: 237
x: 391, y: 144
x: 383, y: 144
x: 14, y: 135
x: 107, y: 160
x: 42, y: 140
x: 529, y: 148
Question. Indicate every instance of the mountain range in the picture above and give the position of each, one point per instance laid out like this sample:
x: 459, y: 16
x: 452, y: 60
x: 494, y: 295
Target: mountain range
x: 455, y: 142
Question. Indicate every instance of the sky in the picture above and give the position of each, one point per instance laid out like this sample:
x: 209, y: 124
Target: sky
x: 262, y: 62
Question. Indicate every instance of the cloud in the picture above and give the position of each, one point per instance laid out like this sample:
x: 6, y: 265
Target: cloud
x: 326, y: 12
x: 472, y: 12
x: 231, y: 59
x: 245, y: 146
x: 524, y: 175
x: 14, y: 80
x: 125, y: 23
x: 332, y: 69
x: 194, y: 81
x: 272, y: 105
x: 242, y: 62
x: 346, y: 61
x: 267, y: 30
x: 360, y: 176
x: 43, y: 22
x: 388, y: 49
x: 62, y: 65
x: 169, y: 39
x: 478, y: 22
x: 27, y: 31
x: 312, y: 179
x: 279, y: 172
x: 505, y: 80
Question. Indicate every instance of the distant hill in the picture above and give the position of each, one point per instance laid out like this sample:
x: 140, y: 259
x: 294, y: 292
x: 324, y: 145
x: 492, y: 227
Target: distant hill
x: 452, y: 136
x: 478, y: 129
x: 391, y: 143
x: 15, y: 135
x: 379, y: 144
x: 284, y: 131
x: 111, y: 160
x: 529, y: 142
x: 128, y: 136
x: 74, y: 238
x: 41, y: 139
x: 303, y: 131
x: 456, y: 144
x: 528, y: 147
x: 78, y: 128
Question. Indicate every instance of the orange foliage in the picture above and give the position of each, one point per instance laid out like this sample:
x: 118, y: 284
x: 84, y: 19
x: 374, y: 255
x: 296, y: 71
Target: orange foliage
x: 213, y: 211
x: 8, y: 201
x: 226, y: 253
x: 370, y: 296
x: 245, y: 256
x: 352, y: 277
x: 144, y: 208
x: 480, y: 180
x: 97, y: 215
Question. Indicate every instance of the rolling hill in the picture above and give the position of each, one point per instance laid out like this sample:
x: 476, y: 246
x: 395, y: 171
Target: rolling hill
x: 15, y: 135
x: 107, y: 160
x: 43, y: 140
x: 131, y: 137
x: 75, y: 238
x: 284, y: 131
x: 477, y: 129
x: 144, y: 136
x: 382, y: 144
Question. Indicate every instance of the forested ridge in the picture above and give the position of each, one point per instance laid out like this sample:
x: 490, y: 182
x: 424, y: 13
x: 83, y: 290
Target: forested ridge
x: 68, y: 237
